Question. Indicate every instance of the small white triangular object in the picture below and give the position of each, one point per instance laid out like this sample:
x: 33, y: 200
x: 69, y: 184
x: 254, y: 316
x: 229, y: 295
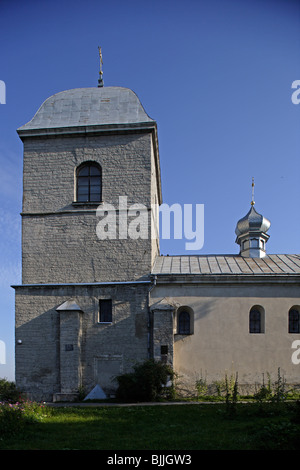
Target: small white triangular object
x: 68, y: 306
x: 96, y: 393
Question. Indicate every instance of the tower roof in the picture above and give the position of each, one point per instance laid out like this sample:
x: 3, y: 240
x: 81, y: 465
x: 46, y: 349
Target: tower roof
x: 252, y: 222
x: 88, y: 107
x: 251, y: 234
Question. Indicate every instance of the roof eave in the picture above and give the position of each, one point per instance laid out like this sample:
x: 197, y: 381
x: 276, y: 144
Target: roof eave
x: 24, y: 132
x: 228, y: 279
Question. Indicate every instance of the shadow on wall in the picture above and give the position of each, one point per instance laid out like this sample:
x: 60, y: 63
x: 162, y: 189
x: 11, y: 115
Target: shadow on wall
x: 104, y: 348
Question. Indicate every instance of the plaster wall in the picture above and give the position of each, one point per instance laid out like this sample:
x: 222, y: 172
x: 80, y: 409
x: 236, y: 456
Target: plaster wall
x: 221, y: 343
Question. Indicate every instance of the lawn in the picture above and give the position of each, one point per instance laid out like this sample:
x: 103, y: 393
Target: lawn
x: 172, y: 427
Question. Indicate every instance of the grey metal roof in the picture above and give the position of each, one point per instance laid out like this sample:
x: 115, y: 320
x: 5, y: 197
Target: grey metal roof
x: 89, y: 107
x: 227, y: 264
x: 253, y: 221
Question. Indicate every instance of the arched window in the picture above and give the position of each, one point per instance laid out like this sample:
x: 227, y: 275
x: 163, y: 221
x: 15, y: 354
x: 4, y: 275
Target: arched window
x: 184, y: 323
x: 89, y: 184
x: 294, y: 320
x: 256, y: 320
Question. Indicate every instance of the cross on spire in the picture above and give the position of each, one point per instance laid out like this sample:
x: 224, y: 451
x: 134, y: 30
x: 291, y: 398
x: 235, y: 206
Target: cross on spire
x: 252, y: 201
x: 100, y: 80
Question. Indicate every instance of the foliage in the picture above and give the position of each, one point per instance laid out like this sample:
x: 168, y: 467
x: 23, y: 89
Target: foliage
x: 296, y: 412
x: 283, y: 436
x: 265, y: 391
x: 141, y: 427
x: 275, y: 394
x: 280, y: 388
x: 15, y: 416
x: 81, y: 393
x: 224, y: 387
x: 9, y: 391
x: 201, y: 387
x: 149, y: 381
x: 231, y: 396
x: 11, y: 420
x: 227, y: 389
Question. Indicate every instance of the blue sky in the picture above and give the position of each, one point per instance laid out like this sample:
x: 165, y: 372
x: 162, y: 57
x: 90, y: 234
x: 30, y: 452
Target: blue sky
x: 216, y: 75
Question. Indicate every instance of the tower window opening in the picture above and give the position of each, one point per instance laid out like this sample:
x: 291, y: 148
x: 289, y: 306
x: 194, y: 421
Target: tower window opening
x: 105, y: 311
x: 89, y: 183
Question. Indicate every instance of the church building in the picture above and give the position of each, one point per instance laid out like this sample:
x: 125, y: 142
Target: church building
x: 96, y: 295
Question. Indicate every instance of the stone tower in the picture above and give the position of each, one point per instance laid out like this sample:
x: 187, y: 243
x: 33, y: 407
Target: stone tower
x: 75, y: 132
x: 91, y: 176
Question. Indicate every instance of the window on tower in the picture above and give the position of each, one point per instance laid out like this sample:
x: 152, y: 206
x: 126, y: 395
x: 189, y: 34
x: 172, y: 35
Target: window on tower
x: 105, y: 311
x: 89, y: 182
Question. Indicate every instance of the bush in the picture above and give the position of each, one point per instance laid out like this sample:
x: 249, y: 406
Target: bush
x: 278, y: 436
x: 148, y: 382
x: 296, y: 412
x: 14, y: 416
x: 11, y: 420
x: 8, y: 391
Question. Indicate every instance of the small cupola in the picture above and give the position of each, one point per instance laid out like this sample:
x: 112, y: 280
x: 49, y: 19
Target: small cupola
x: 251, y: 232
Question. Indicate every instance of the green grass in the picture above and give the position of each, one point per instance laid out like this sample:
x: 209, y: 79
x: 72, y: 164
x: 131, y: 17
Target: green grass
x: 160, y: 427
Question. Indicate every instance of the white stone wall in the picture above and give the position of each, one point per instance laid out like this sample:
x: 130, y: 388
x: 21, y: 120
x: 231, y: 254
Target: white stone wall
x: 46, y: 364
x: 59, y: 239
x: 59, y: 353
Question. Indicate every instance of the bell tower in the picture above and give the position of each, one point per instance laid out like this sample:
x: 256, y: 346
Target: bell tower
x: 91, y: 163
x: 91, y: 177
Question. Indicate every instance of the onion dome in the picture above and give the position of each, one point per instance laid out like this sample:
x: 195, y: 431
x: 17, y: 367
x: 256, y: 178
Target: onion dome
x: 251, y: 233
x: 252, y: 222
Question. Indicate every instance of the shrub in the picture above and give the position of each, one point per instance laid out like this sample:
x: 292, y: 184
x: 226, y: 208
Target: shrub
x: 278, y: 436
x: 201, y: 387
x: 9, y: 391
x: 231, y: 396
x: 14, y: 416
x: 11, y: 420
x: 296, y: 412
x: 148, y: 382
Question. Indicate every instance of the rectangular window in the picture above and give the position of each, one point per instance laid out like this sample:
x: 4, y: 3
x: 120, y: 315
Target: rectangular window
x: 164, y: 353
x: 105, y: 311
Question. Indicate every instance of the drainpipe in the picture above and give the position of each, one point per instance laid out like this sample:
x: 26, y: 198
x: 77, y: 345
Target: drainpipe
x: 154, y: 279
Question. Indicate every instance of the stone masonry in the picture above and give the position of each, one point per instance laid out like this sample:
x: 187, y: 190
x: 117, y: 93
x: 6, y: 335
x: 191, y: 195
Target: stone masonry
x: 59, y: 233
x: 59, y: 352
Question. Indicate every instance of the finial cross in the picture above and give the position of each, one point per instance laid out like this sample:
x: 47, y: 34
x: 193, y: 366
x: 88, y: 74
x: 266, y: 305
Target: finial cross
x: 252, y: 201
x: 100, y: 81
